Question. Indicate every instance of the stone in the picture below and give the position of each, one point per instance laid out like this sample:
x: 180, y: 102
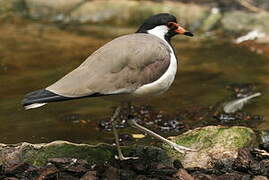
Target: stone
x: 260, y: 178
x: 243, y: 160
x: 62, y: 154
x: 45, y: 172
x: 248, y: 21
x: 182, y: 174
x: 38, y: 154
x: 212, y: 143
x: 10, y: 178
x: 230, y: 176
x: 111, y: 173
x: 90, y: 175
x: 16, y: 168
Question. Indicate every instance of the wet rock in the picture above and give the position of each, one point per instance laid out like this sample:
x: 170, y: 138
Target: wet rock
x: 174, y: 125
x: 182, y: 174
x: 141, y: 177
x: 238, y: 118
x: 61, y: 161
x: 17, y: 168
x: 212, y: 143
x: 260, y: 178
x: 224, y: 165
x: 127, y: 174
x: 111, y: 173
x: 38, y: 154
x: 204, y: 177
x: 264, y: 164
x: 260, y: 167
x: 11, y: 156
x: 264, y: 146
x: 153, y: 164
x: 242, y: 90
x: 264, y: 136
x: 90, y: 175
x: 152, y: 155
x: 140, y: 167
x: 243, y: 160
x: 10, y: 178
x: 231, y: 176
x: 72, y: 165
x: 177, y: 164
x: 63, y: 175
x: 260, y: 154
x: 30, y: 173
x: 47, y: 172
x: 163, y: 171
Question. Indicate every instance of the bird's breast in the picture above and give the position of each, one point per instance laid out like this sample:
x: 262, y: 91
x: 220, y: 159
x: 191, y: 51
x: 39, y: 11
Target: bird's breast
x: 162, y: 84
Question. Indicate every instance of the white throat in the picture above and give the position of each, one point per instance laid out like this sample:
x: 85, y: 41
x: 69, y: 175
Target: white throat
x: 159, y: 31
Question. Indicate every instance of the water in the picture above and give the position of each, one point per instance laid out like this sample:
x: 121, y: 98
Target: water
x: 32, y: 56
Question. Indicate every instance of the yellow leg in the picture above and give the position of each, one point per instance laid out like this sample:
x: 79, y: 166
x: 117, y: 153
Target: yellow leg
x: 177, y: 147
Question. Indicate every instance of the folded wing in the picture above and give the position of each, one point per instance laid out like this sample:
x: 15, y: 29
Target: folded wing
x: 120, y: 66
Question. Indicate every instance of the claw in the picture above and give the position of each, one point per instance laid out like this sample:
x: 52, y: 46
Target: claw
x: 182, y: 149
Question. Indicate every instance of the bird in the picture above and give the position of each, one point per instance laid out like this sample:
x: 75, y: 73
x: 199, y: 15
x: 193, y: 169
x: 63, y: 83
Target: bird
x: 129, y: 67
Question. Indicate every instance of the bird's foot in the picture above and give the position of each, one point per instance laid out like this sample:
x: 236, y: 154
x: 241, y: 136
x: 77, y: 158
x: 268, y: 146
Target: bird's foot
x: 122, y: 158
x: 182, y: 149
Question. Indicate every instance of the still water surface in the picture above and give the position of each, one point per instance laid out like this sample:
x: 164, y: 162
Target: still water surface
x: 33, y: 56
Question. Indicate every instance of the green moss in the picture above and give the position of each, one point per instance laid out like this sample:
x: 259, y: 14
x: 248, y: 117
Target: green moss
x: 38, y: 154
x: 89, y: 153
x: 194, y: 137
x: 207, y: 138
x: 246, y: 137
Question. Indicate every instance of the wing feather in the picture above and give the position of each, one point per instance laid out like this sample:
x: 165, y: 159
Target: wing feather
x: 120, y: 66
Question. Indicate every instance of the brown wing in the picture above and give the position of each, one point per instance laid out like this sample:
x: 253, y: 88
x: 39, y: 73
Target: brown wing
x: 120, y: 66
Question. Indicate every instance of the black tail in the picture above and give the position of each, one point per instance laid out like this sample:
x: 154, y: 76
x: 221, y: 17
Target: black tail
x: 42, y: 96
x: 46, y: 96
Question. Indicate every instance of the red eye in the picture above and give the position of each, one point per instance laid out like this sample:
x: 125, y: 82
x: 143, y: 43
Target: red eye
x: 172, y: 25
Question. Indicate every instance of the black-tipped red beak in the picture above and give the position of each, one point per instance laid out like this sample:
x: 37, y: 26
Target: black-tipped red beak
x: 178, y: 29
x: 188, y: 33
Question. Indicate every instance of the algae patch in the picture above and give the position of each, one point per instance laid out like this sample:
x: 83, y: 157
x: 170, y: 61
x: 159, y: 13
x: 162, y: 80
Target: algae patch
x: 211, y: 143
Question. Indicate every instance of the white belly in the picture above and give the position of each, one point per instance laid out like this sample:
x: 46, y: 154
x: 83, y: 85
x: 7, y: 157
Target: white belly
x: 163, y: 83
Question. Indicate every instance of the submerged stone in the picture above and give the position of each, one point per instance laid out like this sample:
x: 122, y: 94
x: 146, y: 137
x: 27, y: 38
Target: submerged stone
x: 212, y: 143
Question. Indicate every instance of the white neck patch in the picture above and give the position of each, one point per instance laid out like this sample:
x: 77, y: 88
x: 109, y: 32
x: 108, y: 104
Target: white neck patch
x: 159, y: 31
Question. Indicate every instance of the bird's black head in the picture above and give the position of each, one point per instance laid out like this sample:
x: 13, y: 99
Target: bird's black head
x: 159, y: 22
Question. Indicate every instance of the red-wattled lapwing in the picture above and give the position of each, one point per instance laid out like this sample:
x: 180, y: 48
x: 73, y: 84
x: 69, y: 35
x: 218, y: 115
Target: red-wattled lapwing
x: 128, y: 67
